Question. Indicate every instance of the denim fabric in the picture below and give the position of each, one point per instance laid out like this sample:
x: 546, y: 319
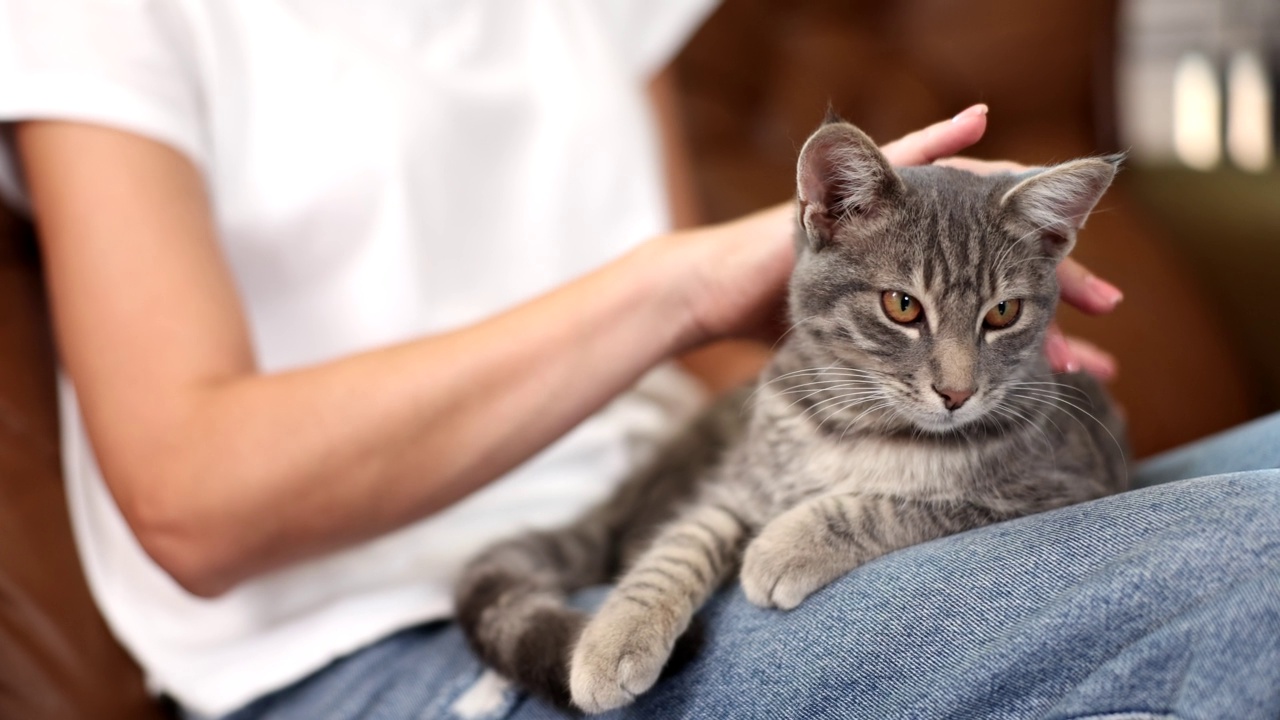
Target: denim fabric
x: 1253, y: 446
x: 1161, y: 602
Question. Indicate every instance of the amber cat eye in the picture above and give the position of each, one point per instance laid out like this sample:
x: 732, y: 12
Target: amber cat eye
x: 900, y: 307
x: 1004, y: 314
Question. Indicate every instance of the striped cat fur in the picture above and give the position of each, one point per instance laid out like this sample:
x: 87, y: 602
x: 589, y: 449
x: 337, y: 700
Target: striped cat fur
x: 865, y: 434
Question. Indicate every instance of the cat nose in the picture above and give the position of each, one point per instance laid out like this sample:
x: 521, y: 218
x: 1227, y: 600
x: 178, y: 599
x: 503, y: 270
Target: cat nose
x: 953, y: 399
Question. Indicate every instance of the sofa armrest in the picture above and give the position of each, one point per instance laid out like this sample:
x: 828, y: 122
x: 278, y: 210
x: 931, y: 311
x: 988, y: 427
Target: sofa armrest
x: 57, y: 658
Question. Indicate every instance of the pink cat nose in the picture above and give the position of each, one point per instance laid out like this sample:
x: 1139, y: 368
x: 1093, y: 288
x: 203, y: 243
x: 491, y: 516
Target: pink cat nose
x: 953, y: 399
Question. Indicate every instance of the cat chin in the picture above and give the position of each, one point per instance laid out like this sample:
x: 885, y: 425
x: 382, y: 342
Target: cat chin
x: 942, y: 423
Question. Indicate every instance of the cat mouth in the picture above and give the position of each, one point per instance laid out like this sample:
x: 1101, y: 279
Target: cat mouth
x: 947, y: 420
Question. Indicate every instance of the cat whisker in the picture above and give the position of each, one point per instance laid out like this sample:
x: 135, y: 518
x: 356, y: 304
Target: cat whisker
x: 832, y: 412
x: 833, y: 373
x: 856, y: 397
x: 1092, y: 417
x: 1051, y: 394
x: 789, y: 330
x: 1031, y: 423
x: 1047, y: 417
x: 856, y: 392
x: 841, y: 394
x: 827, y: 371
x: 810, y: 392
x: 839, y: 381
x: 1047, y: 385
x: 1048, y: 391
x: 849, y: 425
x: 838, y: 372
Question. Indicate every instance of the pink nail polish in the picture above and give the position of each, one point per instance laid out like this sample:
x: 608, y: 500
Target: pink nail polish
x: 974, y: 111
x: 1109, y: 294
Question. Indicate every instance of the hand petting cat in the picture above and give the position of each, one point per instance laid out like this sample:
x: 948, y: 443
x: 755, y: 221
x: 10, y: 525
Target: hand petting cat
x: 747, y: 261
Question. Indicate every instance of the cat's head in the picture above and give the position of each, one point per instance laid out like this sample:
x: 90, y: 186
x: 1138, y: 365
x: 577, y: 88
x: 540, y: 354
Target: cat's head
x: 937, y: 285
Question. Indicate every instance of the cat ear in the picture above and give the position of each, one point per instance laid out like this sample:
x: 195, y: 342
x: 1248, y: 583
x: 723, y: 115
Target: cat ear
x: 1054, y: 203
x: 841, y: 175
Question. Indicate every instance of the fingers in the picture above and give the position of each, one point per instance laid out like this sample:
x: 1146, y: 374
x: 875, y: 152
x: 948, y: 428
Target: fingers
x: 939, y: 139
x: 982, y: 167
x: 1073, y: 354
x: 1086, y: 291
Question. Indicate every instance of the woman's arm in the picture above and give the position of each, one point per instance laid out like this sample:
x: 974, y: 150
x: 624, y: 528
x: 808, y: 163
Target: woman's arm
x: 223, y: 471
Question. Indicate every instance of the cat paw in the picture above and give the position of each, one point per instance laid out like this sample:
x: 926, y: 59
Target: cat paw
x: 776, y: 577
x: 618, y: 657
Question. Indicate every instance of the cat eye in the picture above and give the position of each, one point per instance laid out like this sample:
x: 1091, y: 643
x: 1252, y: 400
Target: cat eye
x: 1004, y: 314
x: 901, y: 307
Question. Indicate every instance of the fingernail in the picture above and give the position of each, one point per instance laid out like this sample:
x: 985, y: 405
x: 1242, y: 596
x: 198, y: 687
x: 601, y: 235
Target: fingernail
x: 973, y: 111
x: 1071, y: 365
x: 1103, y: 368
x: 1105, y: 292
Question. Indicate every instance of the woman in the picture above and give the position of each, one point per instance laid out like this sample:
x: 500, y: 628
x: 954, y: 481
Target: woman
x: 344, y: 291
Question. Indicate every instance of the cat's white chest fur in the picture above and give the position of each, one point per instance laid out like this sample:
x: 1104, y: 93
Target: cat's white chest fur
x: 889, y: 467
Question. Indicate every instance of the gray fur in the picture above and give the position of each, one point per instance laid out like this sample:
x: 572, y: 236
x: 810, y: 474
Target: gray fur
x: 845, y: 450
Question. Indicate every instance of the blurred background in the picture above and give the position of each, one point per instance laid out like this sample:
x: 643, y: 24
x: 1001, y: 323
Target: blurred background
x: 1190, y: 231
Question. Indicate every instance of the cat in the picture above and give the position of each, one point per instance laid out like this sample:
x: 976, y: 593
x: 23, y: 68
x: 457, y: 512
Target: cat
x: 911, y: 400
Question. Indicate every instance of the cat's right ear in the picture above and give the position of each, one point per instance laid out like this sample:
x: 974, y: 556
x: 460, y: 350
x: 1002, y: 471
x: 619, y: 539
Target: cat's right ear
x: 841, y: 177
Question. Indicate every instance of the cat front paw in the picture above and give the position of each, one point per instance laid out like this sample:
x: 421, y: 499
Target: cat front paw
x: 619, y: 656
x: 777, y: 576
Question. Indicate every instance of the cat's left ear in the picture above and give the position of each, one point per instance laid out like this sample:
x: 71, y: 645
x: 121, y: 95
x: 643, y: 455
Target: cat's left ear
x: 1054, y: 203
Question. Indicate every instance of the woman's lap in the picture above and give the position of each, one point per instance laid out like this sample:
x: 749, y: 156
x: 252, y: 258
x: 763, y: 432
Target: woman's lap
x: 1163, y: 601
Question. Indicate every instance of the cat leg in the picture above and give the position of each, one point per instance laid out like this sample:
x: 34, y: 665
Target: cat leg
x: 817, y: 541
x: 624, y: 646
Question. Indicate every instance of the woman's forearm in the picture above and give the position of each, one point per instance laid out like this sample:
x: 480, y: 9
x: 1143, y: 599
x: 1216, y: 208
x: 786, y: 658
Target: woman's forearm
x: 269, y: 469
x: 223, y: 471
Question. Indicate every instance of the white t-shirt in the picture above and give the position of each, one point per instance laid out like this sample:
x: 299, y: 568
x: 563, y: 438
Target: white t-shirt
x: 380, y: 170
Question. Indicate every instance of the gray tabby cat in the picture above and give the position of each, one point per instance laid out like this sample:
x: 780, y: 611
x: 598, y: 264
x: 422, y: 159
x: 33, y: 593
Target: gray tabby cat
x: 910, y: 401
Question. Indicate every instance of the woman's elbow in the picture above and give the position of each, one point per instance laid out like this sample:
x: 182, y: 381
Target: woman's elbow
x: 193, y: 565
x: 181, y: 537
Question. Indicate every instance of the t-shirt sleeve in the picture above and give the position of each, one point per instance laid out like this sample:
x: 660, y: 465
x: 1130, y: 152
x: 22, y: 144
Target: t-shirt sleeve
x: 649, y: 33
x: 124, y: 64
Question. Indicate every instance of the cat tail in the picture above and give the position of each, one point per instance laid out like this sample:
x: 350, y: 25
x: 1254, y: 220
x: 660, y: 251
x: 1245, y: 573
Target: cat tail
x: 512, y: 605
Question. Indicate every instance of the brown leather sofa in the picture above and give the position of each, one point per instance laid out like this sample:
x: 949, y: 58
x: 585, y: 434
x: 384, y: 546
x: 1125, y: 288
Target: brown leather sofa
x: 755, y: 81
x: 57, y: 659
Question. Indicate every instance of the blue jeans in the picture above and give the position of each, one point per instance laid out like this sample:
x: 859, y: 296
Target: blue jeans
x: 1160, y: 602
